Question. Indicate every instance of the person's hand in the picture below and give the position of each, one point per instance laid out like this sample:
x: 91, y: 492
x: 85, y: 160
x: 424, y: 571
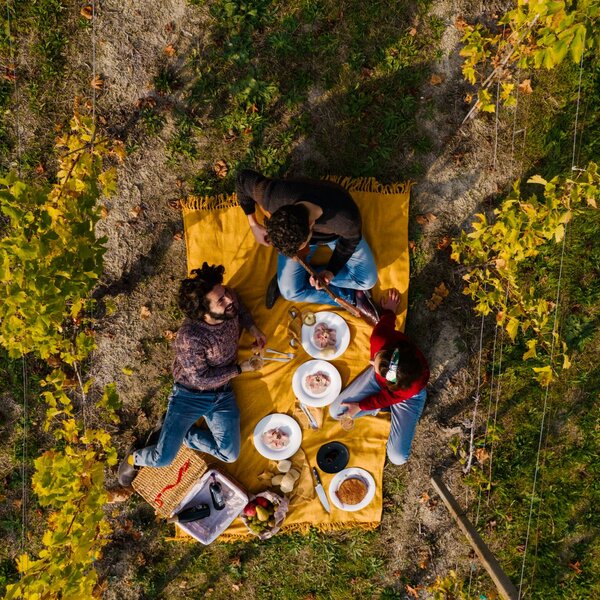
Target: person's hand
x: 324, y: 277
x: 352, y: 409
x: 260, y: 234
x: 260, y: 339
x: 390, y: 300
x: 249, y: 365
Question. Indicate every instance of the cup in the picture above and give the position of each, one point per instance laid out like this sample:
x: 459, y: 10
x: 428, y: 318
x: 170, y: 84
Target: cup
x: 256, y: 362
x: 347, y: 423
x: 309, y: 318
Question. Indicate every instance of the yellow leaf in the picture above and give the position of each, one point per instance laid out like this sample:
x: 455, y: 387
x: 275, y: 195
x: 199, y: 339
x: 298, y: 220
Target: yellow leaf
x: 566, y: 362
x: 537, y: 179
x: 512, y: 328
x: 543, y: 375
x: 531, y: 352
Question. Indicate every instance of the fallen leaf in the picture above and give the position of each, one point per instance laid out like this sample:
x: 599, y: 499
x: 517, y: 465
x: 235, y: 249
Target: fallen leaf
x: 178, y: 236
x: 169, y: 335
x: 127, y: 371
x: 460, y: 23
x: 118, y: 495
x: 576, y: 566
x: 412, y: 245
x: 366, y: 72
x: 104, y: 212
x: 17, y: 503
x: 40, y: 170
x: 136, y: 211
x: 87, y: 12
x: 145, y: 312
x: 9, y: 73
x: 411, y: 591
x: 441, y: 290
x: 235, y: 587
x: 469, y: 98
x: 412, y: 31
x: 170, y: 50
x: 221, y: 169
x: 482, y: 455
x: 175, y: 204
x: 437, y: 78
x: 170, y: 27
x: 97, y: 83
x: 425, y: 219
x: 525, y: 86
x: 444, y: 242
x: 500, y: 263
x: 424, y: 498
x: 424, y: 563
x: 54, y: 361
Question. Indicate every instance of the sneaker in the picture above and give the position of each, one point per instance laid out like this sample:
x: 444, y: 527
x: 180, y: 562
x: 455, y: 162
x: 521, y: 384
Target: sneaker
x: 128, y: 472
x: 365, y: 303
x: 273, y: 292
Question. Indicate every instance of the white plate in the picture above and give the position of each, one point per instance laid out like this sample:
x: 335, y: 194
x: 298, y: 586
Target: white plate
x: 272, y: 422
x: 357, y: 473
x: 308, y: 368
x: 334, y: 321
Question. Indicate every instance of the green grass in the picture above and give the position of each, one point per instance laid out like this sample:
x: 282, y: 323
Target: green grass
x: 250, y: 88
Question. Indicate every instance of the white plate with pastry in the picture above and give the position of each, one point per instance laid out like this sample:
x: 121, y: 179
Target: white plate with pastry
x: 328, y: 338
x: 352, y: 489
x: 277, y: 436
x: 317, y: 383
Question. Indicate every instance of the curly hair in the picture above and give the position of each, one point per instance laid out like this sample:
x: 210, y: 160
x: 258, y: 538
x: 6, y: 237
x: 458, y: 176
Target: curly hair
x: 409, y: 366
x: 193, y: 290
x: 288, y: 228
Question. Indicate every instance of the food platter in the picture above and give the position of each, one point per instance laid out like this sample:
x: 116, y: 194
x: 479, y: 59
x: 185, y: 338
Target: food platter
x: 352, y: 473
x: 325, y: 319
x: 287, y: 426
x: 314, y: 369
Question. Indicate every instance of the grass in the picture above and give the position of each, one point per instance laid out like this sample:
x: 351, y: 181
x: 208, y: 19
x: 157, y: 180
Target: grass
x: 254, y: 85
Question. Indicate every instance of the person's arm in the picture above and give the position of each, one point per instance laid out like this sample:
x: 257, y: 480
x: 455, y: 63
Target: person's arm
x: 247, y: 321
x: 245, y: 185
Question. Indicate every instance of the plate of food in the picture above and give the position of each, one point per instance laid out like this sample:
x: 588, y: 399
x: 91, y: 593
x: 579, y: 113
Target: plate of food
x: 352, y: 489
x: 277, y: 436
x: 328, y: 338
x: 316, y: 383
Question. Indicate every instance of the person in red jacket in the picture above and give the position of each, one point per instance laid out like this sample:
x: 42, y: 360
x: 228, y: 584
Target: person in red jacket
x: 397, y: 379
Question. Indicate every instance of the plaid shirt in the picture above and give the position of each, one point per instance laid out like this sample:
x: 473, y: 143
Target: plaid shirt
x: 206, y: 355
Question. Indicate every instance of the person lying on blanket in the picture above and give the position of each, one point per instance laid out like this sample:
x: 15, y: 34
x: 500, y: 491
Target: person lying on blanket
x: 206, y: 348
x: 396, y: 379
x: 301, y: 215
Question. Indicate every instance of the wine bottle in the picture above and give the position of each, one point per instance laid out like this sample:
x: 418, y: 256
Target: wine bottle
x: 194, y: 513
x: 216, y: 493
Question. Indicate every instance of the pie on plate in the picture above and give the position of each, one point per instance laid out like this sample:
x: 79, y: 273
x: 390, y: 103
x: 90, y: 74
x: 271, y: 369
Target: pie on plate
x: 352, y: 491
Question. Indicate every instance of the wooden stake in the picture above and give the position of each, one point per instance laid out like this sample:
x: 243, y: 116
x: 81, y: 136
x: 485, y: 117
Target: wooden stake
x: 505, y: 586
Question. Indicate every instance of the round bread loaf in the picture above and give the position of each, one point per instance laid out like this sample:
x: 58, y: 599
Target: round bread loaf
x: 352, y: 491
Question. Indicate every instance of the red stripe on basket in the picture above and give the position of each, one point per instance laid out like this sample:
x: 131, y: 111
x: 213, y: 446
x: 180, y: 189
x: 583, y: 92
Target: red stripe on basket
x: 182, y: 470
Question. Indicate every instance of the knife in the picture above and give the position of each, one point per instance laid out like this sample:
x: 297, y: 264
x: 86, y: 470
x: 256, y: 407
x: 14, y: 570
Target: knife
x: 320, y: 491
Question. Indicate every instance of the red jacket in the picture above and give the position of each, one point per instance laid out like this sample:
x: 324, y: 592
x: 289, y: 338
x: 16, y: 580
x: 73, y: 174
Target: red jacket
x: 385, y: 335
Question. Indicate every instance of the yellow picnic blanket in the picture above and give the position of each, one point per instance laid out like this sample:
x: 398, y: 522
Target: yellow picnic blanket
x: 216, y: 231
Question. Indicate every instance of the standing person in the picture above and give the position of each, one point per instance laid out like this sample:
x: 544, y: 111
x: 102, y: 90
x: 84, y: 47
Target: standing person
x: 206, y: 348
x: 303, y: 214
x: 396, y: 379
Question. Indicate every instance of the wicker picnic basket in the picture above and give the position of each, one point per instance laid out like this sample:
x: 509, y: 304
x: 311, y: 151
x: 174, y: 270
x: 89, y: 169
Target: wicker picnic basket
x: 164, y: 488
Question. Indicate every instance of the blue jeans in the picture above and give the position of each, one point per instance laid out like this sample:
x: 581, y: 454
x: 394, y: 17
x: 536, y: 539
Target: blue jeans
x: 359, y: 273
x: 405, y: 414
x: 221, y: 439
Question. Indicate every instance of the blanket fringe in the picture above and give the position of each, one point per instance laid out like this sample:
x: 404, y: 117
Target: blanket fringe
x: 359, y: 184
x: 208, y: 203
x: 302, y: 528
x: 370, y: 184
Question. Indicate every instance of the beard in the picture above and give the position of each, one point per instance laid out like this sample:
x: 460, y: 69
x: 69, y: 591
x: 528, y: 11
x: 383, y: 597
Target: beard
x: 231, y: 312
